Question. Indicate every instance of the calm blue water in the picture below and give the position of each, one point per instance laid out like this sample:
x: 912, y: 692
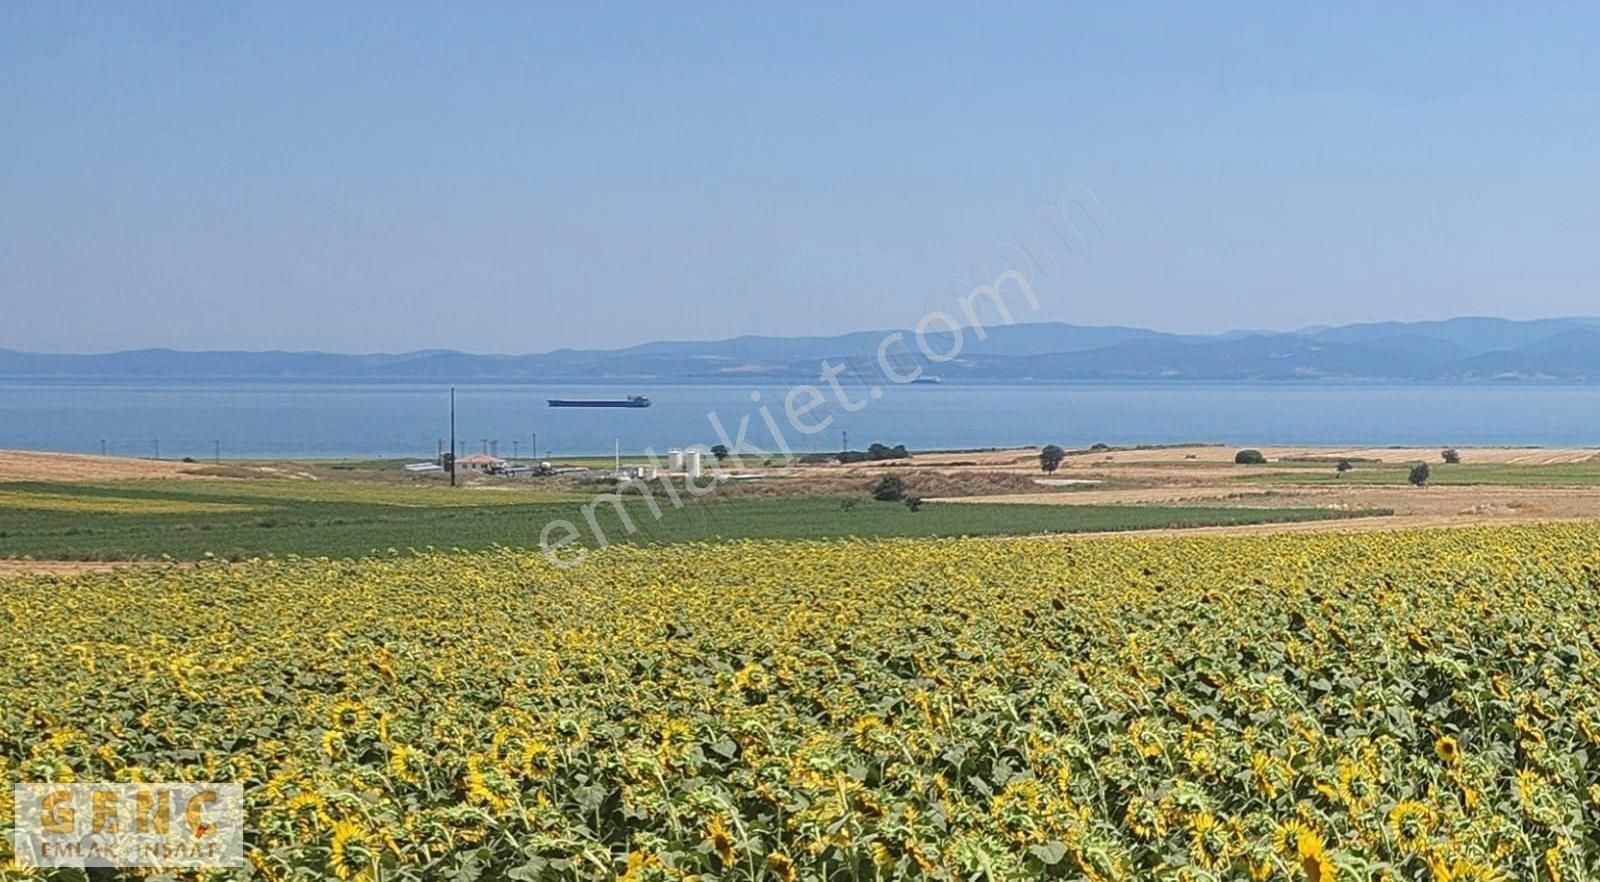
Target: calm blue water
x: 253, y: 419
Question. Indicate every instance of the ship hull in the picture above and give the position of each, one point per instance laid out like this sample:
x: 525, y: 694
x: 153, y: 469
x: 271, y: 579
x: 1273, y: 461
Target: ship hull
x: 563, y: 402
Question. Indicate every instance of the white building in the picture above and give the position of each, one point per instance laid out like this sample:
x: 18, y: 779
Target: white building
x: 481, y: 463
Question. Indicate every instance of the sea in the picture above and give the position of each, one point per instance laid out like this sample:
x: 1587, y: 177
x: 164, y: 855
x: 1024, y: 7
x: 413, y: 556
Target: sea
x: 342, y: 420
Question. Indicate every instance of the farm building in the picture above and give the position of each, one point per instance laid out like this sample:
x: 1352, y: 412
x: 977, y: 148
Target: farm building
x: 481, y: 462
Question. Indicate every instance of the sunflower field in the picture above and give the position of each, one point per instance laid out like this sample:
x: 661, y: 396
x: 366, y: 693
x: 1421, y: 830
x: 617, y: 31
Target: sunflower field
x: 1404, y: 706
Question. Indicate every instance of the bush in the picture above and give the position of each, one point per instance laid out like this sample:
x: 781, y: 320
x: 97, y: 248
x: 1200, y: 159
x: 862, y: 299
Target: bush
x: 1050, y: 458
x: 1344, y: 465
x: 889, y: 489
x: 914, y: 503
x: 1452, y: 456
x: 1250, y: 457
x: 1420, y: 473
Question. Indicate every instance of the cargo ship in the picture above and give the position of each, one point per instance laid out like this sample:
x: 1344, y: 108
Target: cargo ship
x: 630, y: 401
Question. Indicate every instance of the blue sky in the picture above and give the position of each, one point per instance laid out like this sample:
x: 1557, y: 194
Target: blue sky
x: 520, y: 178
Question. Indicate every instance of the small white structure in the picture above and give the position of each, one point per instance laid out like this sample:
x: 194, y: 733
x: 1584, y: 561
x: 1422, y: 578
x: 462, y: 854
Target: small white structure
x: 692, y: 459
x: 674, y: 460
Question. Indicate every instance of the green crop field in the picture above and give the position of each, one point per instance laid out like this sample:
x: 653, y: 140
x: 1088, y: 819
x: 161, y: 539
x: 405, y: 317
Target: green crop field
x: 193, y: 519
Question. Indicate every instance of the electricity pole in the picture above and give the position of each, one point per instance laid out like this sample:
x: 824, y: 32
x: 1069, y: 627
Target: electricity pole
x: 514, y: 443
x: 216, y: 452
x: 102, y: 447
x: 452, y: 436
x: 157, y: 443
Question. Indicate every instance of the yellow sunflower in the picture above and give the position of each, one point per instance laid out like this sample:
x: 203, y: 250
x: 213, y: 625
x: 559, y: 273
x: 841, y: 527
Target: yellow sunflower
x: 1410, y: 823
x: 1313, y: 854
x: 721, y: 840
x: 350, y: 855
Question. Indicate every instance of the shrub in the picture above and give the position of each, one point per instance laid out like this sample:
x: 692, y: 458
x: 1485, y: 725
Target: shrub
x: 1250, y: 457
x: 914, y: 503
x: 1344, y: 465
x: 1420, y: 473
x: 889, y: 489
x: 1452, y: 456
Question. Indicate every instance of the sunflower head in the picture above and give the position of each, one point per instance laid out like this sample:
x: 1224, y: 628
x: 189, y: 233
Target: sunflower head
x: 406, y: 764
x: 1313, y: 854
x: 347, y: 715
x: 781, y: 866
x: 1410, y: 823
x: 721, y: 840
x: 1447, y: 749
x: 350, y: 854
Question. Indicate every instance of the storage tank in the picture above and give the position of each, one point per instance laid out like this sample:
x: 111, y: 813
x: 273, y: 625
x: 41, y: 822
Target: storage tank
x: 674, y: 460
x: 691, y: 463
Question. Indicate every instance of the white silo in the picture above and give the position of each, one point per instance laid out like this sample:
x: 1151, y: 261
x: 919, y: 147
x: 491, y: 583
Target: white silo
x: 691, y: 463
x: 674, y: 460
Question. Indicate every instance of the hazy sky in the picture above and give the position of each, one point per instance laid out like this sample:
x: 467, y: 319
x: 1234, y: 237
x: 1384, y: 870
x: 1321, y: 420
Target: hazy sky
x: 519, y: 178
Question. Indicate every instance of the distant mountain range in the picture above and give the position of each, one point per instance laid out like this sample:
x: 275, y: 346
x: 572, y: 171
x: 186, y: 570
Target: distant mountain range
x: 1454, y: 350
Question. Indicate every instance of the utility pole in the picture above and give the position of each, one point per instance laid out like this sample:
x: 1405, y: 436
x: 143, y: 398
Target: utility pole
x: 157, y: 443
x: 535, y: 445
x: 452, y: 436
x: 216, y: 452
x: 102, y: 447
x: 514, y: 443
x: 846, y: 447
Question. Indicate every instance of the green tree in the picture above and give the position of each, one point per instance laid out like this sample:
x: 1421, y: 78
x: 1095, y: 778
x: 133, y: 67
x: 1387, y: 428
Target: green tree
x: 1250, y: 457
x: 1452, y: 456
x: 914, y: 503
x: 720, y: 451
x: 1050, y: 458
x: 890, y: 488
x: 1344, y: 465
x: 1420, y: 473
